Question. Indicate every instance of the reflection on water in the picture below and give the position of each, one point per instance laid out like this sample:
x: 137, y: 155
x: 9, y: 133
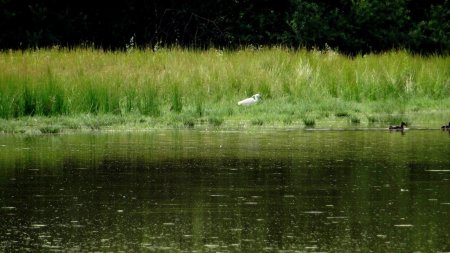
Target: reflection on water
x: 185, y: 191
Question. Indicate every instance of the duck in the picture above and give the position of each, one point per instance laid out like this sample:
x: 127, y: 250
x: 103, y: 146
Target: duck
x: 251, y: 100
x: 446, y: 127
x: 401, y: 127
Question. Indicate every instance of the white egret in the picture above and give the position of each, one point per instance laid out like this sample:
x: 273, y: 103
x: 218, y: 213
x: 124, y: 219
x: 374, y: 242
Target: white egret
x: 251, y: 100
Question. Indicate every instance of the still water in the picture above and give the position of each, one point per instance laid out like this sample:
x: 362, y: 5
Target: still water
x: 197, y: 191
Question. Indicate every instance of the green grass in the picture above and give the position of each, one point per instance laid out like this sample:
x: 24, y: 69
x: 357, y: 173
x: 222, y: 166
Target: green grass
x: 50, y: 129
x: 355, y: 120
x: 187, y: 88
x: 215, y: 121
x: 309, y: 122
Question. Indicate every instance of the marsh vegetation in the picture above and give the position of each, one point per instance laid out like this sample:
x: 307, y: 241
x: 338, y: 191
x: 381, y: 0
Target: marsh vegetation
x: 92, y: 89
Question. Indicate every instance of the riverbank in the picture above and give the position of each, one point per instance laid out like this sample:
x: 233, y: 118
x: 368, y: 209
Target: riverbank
x: 61, y: 90
x: 106, y: 123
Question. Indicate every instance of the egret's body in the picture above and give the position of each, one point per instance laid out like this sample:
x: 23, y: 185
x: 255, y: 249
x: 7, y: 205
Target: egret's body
x: 251, y: 100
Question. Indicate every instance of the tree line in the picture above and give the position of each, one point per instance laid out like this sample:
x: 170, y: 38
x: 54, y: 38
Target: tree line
x: 348, y: 26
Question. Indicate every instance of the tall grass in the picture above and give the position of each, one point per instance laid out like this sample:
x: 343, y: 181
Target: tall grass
x: 207, y: 84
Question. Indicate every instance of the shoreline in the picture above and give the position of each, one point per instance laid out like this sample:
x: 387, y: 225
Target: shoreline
x: 37, y: 125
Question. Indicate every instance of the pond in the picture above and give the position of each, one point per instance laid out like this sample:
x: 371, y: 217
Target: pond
x: 219, y: 191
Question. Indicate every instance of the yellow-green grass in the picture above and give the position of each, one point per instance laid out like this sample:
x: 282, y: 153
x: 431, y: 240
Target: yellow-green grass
x: 188, y: 88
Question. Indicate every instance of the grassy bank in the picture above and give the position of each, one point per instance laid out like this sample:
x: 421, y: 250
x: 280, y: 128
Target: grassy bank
x: 87, y: 88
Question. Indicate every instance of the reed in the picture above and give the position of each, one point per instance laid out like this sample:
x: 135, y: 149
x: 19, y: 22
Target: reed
x: 204, y: 86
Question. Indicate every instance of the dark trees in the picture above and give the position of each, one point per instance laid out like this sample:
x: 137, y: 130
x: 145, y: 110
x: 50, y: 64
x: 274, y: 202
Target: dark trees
x: 350, y: 26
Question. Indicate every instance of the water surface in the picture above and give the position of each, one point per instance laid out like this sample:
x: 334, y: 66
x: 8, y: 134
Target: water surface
x: 258, y: 191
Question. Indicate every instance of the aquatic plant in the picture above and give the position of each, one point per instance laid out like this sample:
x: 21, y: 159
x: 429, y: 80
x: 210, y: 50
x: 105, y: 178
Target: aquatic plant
x: 50, y: 129
x: 309, y: 122
x: 355, y: 119
x: 215, y: 121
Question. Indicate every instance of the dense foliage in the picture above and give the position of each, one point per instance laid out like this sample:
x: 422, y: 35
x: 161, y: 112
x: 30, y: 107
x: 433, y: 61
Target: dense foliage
x: 350, y: 26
